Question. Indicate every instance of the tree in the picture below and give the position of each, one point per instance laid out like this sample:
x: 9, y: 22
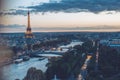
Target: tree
x: 34, y: 74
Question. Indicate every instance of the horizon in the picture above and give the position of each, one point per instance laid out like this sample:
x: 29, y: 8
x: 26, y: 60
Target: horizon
x: 64, y: 32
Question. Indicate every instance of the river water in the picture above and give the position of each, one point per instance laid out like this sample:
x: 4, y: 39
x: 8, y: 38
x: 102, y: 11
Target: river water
x: 18, y: 71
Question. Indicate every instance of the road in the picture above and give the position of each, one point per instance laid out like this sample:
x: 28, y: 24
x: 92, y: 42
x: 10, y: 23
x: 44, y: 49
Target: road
x: 83, y: 72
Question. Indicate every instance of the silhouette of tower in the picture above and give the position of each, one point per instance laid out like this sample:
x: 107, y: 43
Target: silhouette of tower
x: 28, y: 34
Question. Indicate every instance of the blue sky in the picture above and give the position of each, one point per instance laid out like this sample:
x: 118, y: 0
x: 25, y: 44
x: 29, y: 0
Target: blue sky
x: 60, y: 15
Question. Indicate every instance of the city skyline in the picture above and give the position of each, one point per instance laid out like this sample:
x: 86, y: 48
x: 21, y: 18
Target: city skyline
x: 50, y: 16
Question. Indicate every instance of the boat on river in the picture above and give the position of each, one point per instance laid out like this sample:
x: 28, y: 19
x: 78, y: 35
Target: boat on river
x: 18, y: 61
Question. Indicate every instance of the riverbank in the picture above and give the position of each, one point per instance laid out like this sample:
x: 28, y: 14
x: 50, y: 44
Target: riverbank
x: 5, y: 63
x: 6, y: 55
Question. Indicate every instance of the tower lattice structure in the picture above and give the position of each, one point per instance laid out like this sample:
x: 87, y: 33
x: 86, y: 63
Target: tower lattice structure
x: 28, y: 34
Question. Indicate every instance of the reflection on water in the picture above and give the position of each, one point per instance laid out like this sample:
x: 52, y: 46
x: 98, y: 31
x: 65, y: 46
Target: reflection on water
x: 18, y: 71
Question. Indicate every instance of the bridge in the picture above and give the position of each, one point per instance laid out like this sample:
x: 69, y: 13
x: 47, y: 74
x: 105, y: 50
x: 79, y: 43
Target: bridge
x: 46, y: 54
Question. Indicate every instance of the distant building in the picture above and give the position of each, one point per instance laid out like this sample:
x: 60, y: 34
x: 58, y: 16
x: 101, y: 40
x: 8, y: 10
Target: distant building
x: 104, y: 42
x: 115, y: 43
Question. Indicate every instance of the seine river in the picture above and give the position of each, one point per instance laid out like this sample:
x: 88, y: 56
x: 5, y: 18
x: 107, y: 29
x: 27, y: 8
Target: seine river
x: 18, y: 71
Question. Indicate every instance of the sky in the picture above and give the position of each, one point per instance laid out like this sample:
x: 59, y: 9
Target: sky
x: 60, y: 15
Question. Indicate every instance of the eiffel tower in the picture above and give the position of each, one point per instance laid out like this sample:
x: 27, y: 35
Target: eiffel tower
x: 28, y: 34
x: 28, y: 30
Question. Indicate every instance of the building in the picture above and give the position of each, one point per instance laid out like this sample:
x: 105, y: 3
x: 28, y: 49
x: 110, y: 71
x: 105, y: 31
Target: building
x: 115, y: 43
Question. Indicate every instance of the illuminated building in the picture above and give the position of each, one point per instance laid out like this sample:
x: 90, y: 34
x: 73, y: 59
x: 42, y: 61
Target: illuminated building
x: 28, y: 34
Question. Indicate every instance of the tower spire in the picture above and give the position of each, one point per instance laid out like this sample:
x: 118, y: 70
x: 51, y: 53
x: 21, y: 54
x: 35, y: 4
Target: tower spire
x: 28, y: 19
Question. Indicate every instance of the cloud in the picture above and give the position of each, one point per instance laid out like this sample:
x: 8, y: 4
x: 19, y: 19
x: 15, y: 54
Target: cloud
x: 14, y: 12
x: 79, y: 6
x: 77, y: 28
x: 11, y: 26
x: 70, y: 6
